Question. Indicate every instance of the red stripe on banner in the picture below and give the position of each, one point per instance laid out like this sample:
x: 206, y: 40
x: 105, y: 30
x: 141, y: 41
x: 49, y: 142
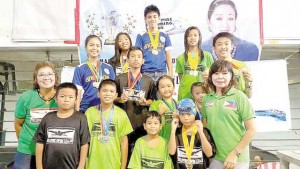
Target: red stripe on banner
x: 261, y: 25
x: 77, y: 33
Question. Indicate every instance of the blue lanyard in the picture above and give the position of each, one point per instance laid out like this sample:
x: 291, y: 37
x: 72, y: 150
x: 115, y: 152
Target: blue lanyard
x: 105, y: 124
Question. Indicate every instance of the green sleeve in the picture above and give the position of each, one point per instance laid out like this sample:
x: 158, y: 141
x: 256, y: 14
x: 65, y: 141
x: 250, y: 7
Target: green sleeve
x: 154, y: 105
x: 136, y: 159
x: 20, y: 111
x: 125, y: 127
x: 244, y: 107
x: 180, y: 64
x: 88, y: 117
x: 210, y: 59
x: 168, y: 162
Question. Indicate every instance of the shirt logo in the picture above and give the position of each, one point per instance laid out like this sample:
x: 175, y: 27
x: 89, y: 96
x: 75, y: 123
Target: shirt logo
x: 106, y: 71
x: 209, y: 104
x: 230, y: 104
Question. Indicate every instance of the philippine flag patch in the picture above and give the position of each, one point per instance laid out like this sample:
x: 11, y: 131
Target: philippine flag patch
x: 230, y: 104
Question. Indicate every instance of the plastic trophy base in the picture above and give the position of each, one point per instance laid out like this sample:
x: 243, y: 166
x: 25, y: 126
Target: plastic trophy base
x: 109, y: 42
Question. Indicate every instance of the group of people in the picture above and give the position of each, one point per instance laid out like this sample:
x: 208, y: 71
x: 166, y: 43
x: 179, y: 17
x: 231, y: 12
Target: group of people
x: 122, y: 114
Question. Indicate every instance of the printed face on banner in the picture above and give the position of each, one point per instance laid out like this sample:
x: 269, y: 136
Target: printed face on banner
x: 223, y: 19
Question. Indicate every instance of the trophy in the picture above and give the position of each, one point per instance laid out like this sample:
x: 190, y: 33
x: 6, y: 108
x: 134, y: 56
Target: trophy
x: 111, y: 25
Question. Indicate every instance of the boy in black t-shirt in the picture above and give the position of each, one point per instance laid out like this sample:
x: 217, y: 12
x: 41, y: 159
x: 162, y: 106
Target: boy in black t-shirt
x: 190, y: 143
x: 63, y: 136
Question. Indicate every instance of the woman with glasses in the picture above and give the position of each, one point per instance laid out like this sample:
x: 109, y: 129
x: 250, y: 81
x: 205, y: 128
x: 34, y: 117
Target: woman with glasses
x: 31, y: 107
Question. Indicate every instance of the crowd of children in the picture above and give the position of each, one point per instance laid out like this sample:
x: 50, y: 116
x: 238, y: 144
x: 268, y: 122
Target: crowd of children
x: 123, y: 114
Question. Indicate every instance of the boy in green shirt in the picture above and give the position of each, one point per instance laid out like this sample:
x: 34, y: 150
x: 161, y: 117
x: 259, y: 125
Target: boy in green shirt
x: 109, y: 126
x: 151, y: 151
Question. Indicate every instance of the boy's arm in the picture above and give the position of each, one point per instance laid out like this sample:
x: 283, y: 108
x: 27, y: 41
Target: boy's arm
x: 39, y: 155
x: 172, y: 141
x: 206, y: 146
x: 169, y: 63
x: 124, y: 151
x: 78, y: 100
x: 83, y: 154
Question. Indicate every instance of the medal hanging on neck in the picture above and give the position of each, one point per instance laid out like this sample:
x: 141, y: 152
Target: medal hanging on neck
x: 105, y: 124
x: 189, y: 147
x: 134, y: 81
x: 154, y: 42
x: 193, y: 62
x: 96, y: 72
x: 124, y: 64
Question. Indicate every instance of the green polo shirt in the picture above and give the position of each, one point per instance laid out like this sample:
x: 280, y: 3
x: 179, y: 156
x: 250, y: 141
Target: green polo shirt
x: 183, y: 67
x: 225, y: 117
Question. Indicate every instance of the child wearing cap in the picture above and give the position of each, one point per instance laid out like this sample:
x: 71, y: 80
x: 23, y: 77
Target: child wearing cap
x: 151, y: 151
x: 190, y: 143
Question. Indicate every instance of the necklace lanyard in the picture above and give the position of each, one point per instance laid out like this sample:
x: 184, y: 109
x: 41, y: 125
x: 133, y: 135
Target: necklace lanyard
x: 154, y: 42
x: 169, y: 106
x: 95, y: 70
x: 193, y: 62
x: 125, y: 65
x: 105, y: 123
x: 134, y: 81
x: 189, y: 147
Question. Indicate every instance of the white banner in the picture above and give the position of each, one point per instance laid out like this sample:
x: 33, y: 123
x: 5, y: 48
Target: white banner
x: 107, y: 18
x: 270, y: 98
x: 44, y: 20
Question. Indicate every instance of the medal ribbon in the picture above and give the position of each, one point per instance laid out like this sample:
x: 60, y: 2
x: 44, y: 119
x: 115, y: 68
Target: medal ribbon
x: 105, y: 123
x: 97, y: 75
x: 193, y: 61
x: 154, y: 42
x: 173, y: 107
x: 132, y: 81
x: 125, y: 66
x: 236, y: 64
x: 189, y: 147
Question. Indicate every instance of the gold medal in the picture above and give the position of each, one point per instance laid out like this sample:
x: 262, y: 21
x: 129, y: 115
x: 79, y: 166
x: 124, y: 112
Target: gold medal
x: 154, y: 41
x: 188, y: 147
x: 103, y: 139
x: 193, y: 72
x: 96, y: 84
x: 154, y: 52
x: 188, y: 164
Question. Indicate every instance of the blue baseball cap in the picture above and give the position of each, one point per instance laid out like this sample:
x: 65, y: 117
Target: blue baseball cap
x: 186, y: 106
